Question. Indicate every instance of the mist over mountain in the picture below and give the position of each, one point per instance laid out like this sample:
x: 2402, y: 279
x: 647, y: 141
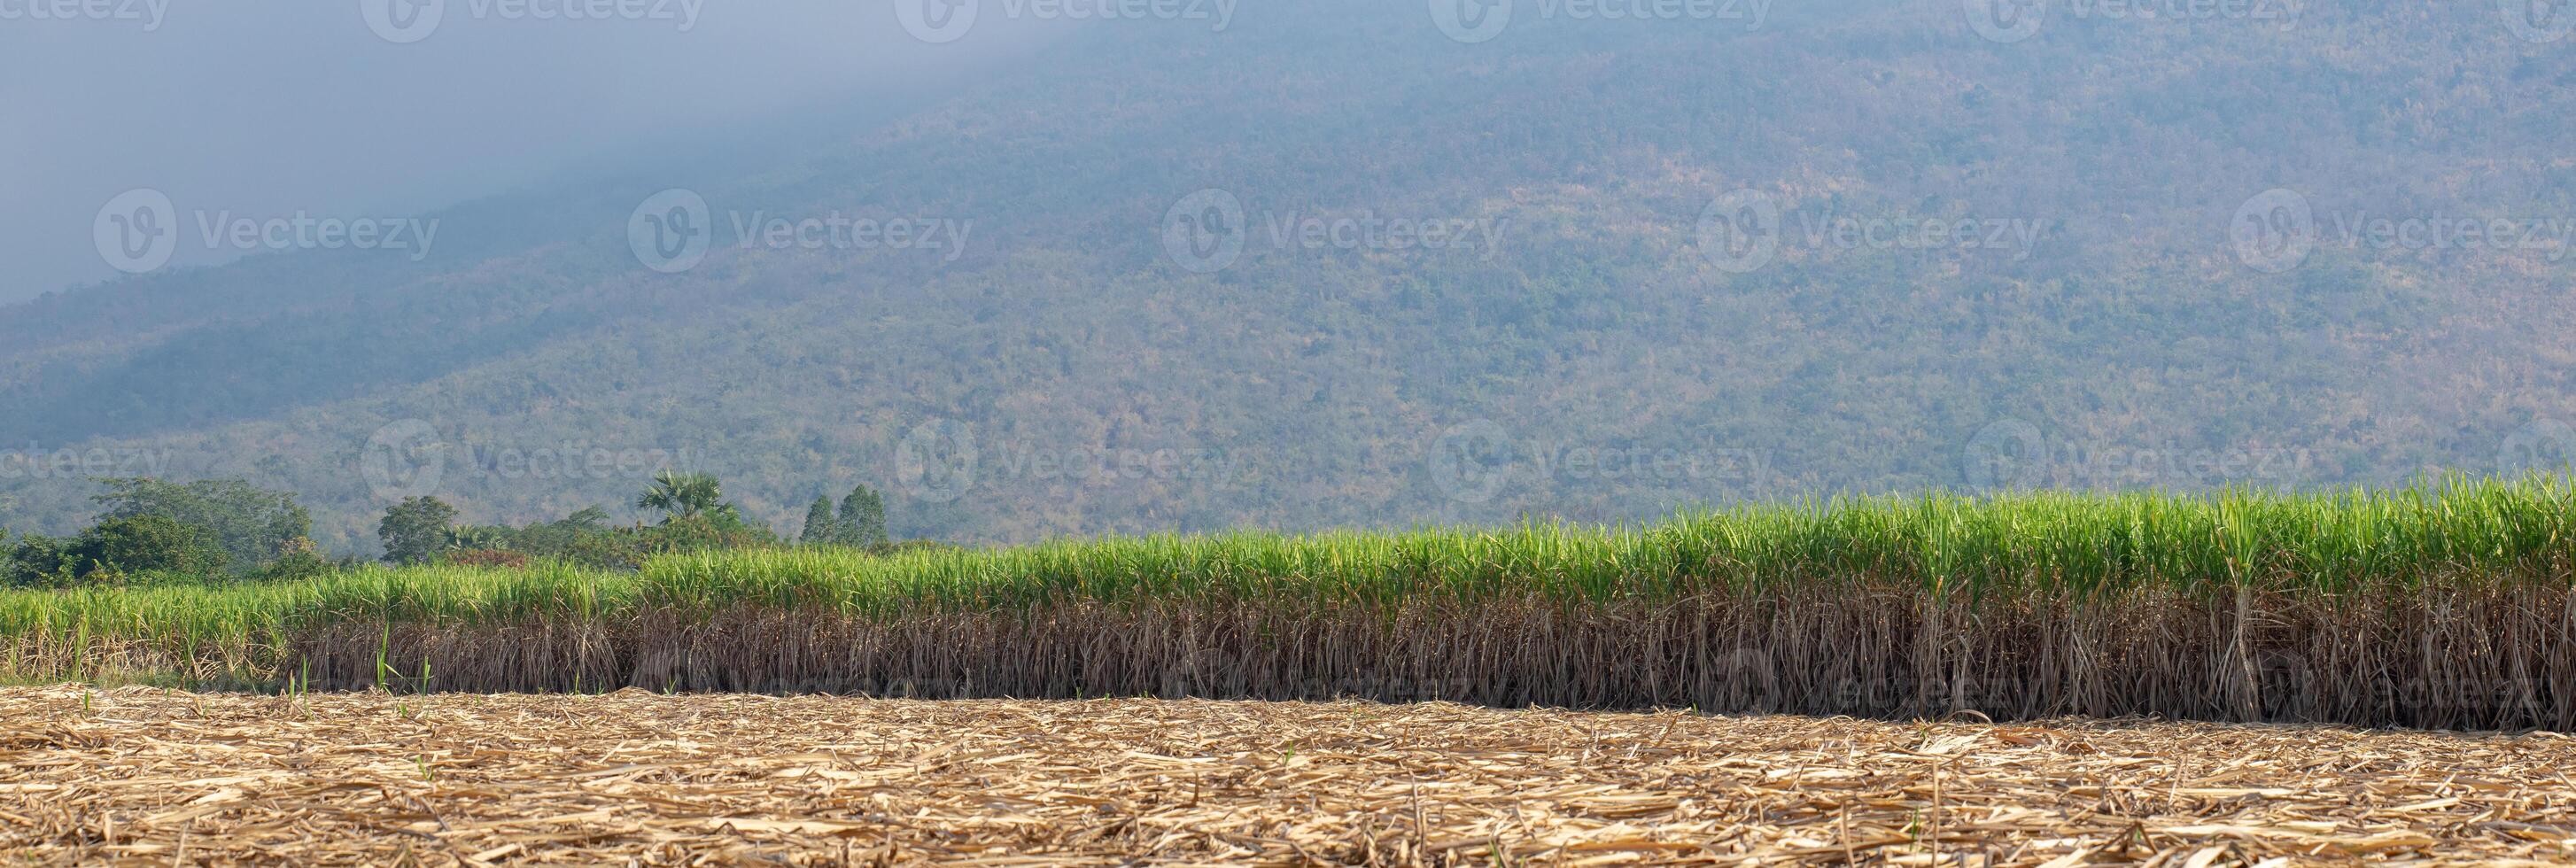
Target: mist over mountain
x: 1349, y: 263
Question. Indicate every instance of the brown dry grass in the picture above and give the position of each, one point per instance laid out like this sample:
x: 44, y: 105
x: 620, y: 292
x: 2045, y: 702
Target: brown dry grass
x: 139, y: 776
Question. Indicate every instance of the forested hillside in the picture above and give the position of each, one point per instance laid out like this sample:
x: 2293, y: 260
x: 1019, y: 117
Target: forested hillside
x: 1844, y: 247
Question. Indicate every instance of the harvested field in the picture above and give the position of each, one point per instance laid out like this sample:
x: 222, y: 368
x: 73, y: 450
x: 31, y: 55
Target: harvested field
x: 140, y: 776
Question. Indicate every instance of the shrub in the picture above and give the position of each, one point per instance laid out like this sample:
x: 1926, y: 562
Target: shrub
x: 247, y: 523
x: 297, y: 559
x: 146, y: 543
x: 415, y: 530
x: 486, y: 558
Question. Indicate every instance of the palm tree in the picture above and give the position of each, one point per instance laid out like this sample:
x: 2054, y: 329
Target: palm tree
x: 682, y: 495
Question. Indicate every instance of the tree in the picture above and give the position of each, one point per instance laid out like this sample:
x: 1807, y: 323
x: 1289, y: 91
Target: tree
x: 820, y: 527
x: 145, y: 544
x: 682, y: 494
x: 298, y: 559
x: 578, y: 537
x: 415, y: 530
x: 35, y: 561
x: 863, y: 521
x: 712, y: 530
x: 481, y: 537
x: 251, y: 524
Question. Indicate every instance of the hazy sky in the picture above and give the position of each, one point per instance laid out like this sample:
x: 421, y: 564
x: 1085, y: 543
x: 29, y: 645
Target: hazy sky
x: 267, y: 109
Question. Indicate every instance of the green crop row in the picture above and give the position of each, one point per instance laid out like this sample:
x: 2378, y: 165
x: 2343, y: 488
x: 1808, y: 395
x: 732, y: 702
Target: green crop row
x: 2479, y: 530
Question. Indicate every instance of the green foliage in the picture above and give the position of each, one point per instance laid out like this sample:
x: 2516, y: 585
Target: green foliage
x: 821, y: 527
x: 1970, y: 549
x: 298, y: 560
x: 480, y: 536
x: 2494, y: 532
x: 485, y: 558
x: 416, y: 530
x: 862, y: 523
x: 36, y: 561
x: 715, y: 530
x: 2479, y: 531
x: 682, y: 494
x: 146, y: 543
x: 585, y: 537
x: 249, y: 524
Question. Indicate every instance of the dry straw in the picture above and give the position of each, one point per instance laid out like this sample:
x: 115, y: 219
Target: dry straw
x: 135, y: 776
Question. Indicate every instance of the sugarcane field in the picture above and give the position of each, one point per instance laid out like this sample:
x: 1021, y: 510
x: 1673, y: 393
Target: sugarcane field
x: 1382, y: 433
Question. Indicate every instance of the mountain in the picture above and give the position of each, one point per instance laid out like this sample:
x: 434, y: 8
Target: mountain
x: 1327, y: 266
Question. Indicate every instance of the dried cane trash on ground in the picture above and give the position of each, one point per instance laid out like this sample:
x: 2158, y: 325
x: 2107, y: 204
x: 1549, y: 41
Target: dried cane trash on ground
x: 145, y: 777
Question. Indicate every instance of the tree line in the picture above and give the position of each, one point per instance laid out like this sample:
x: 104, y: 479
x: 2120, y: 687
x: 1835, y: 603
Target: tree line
x: 150, y: 531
